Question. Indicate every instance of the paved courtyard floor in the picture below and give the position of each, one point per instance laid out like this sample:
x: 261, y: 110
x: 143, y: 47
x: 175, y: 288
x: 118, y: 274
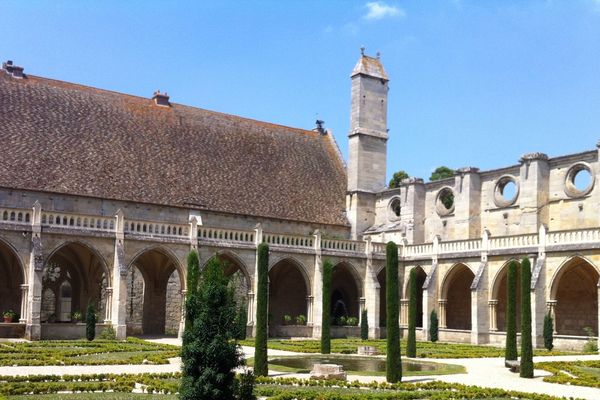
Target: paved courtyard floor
x: 484, y: 372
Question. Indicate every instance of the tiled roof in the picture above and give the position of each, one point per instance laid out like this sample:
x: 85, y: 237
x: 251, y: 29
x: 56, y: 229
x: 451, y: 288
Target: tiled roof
x: 67, y: 138
x: 370, y: 66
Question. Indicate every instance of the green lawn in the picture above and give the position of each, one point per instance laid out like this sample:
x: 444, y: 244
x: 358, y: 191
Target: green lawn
x: 580, y: 373
x: 92, y: 396
x: 82, y: 352
x: 424, y: 349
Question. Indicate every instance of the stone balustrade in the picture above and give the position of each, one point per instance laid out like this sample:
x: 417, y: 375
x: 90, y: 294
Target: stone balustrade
x: 206, y: 234
x: 288, y: 240
x: 156, y: 229
x: 79, y: 222
x: 15, y: 216
x: 573, y: 237
x: 343, y: 245
x: 513, y: 242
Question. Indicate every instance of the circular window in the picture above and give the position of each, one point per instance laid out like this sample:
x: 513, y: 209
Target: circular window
x: 394, y: 209
x: 444, y: 203
x: 506, y: 191
x: 579, y: 180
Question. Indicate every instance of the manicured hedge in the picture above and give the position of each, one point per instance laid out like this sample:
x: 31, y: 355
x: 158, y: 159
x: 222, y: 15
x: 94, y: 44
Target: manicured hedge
x: 261, y: 367
x: 580, y: 373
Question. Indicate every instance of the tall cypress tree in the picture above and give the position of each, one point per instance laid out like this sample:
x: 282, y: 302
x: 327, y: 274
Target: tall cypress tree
x: 326, y: 308
x: 193, y: 277
x: 411, y: 345
x: 511, y: 353
x: 433, y: 326
x: 90, y: 322
x: 364, y: 325
x: 548, y: 332
x: 261, y: 367
x: 393, y: 361
x: 526, y: 368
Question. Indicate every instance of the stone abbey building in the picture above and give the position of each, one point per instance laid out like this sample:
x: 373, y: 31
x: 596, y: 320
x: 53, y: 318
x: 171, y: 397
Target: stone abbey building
x: 102, y: 195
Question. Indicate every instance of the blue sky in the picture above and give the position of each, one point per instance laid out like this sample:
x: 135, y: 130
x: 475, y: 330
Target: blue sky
x: 473, y: 83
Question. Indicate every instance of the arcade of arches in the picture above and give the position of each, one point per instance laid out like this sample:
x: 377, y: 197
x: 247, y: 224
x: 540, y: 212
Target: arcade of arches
x: 500, y: 294
x: 74, y: 276
x: 288, y: 292
x: 345, y: 293
x: 456, y: 292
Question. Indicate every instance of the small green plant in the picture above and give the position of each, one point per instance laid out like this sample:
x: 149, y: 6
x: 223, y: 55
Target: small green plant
x: 364, y: 325
x: 90, y: 323
x: 9, y: 316
x: 241, y: 321
x: 548, y: 332
x: 108, y: 333
x: 301, y: 320
x: 245, y: 389
x: 352, y: 321
x: 76, y: 316
x: 287, y: 319
x: 591, y: 346
x: 433, y: 326
x: 342, y: 321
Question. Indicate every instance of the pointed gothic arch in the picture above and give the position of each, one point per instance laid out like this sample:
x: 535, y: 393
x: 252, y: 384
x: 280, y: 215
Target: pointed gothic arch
x: 456, y: 290
x: 13, y: 276
x: 346, y: 291
x: 288, y: 290
x: 499, y: 293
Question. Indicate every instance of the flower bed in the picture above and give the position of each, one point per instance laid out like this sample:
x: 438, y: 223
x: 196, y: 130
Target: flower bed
x: 580, y: 373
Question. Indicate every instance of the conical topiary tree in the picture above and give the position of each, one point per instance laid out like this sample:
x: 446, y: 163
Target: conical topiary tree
x: 326, y: 308
x: 548, y: 332
x: 411, y: 344
x: 193, y: 279
x: 511, y: 353
x: 261, y: 367
x: 433, y: 326
x: 364, y: 325
x: 393, y: 361
x: 526, y: 367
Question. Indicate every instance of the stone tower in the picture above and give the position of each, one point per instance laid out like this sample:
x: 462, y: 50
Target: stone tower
x: 367, y: 141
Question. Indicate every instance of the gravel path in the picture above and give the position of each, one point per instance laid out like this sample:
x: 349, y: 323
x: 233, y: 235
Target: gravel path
x: 485, y: 372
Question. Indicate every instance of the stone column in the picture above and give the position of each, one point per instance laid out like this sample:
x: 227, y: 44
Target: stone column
x: 442, y: 306
x: 182, y: 317
x: 258, y: 238
x: 430, y: 291
x: 317, y: 289
x: 108, y: 307
x: 404, y: 313
x: 24, y: 304
x: 372, y: 293
x: 250, y: 310
x: 119, y: 280
x: 598, y: 314
x: 551, y: 306
x: 33, y: 329
x: 493, y: 316
x: 309, y: 310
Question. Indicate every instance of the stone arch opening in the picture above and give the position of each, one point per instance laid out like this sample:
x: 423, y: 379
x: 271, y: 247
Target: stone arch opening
x: 457, y: 293
x: 74, y: 276
x: 237, y: 273
x: 421, y: 277
x: 154, y: 294
x: 288, y: 291
x: 382, y: 297
x: 575, y: 290
x: 500, y: 294
x: 12, y: 274
x: 345, y: 293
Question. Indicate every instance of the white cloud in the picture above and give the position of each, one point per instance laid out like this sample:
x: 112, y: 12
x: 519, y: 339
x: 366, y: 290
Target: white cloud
x: 378, y: 10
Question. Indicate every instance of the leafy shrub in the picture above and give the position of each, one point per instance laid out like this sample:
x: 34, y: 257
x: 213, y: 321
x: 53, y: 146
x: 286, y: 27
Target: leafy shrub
x: 245, y: 387
x: 108, y: 333
x: 433, y: 326
x: 301, y: 319
x: 548, y: 332
x: 352, y: 321
x: 241, y: 322
x: 287, y: 319
x: 90, y: 323
x: 591, y: 346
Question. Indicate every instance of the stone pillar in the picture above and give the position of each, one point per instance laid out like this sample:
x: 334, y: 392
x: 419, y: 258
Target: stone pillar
x: 430, y: 291
x: 108, y: 306
x: 598, y: 315
x: 551, y: 306
x: 317, y: 289
x: 372, y: 293
x: 493, y: 316
x: 258, y: 238
x: 404, y: 313
x: 119, y: 279
x: 24, y: 304
x: 309, y: 310
x: 33, y: 330
x: 182, y: 318
x: 250, y: 310
x: 479, y: 307
x: 442, y: 306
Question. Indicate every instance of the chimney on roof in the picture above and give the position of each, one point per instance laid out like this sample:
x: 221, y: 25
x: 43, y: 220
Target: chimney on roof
x: 13, y: 70
x: 161, y: 99
x: 319, y: 128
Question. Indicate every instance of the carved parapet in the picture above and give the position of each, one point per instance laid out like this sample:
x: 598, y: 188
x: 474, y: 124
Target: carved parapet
x: 467, y: 170
x: 533, y: 156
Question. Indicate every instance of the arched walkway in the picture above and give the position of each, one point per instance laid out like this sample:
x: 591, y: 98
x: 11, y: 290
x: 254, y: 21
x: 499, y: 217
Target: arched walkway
x: 288, y: 291
x: 154, y: 284
x: 421, y: 277
x: 75, y: 275
x: 500, y: 293
x: 457, y: 293
x: 345, y: 292
x: 238, y: 276
x: 11, y: 271
x: 575, y: 290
